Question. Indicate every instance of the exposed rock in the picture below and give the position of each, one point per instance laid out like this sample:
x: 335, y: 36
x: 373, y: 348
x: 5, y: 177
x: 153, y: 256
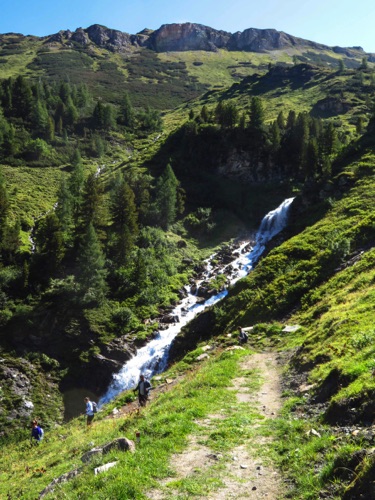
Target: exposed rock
x: 261, y: 40
x: 330, y: 106
x: 348, y: 51
x: 81, y: 37
x: 187, y: 36
x: 87, y: 457
x: 119, y: 349
x: 170, y: 319
x: 122, y: 444
x: 201, y: 357
x: 113, y: 40
x: 104, y: 468
x: 61, y: 479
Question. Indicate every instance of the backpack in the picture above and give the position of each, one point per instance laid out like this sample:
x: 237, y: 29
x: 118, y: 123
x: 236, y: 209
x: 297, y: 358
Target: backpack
x: 94, y: 407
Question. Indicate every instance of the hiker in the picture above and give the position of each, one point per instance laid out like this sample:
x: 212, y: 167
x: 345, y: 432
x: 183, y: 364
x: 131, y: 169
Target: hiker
x: 242, y: 336
x: 36, y: 432
x: 143, y: 389
x: 89, y: 411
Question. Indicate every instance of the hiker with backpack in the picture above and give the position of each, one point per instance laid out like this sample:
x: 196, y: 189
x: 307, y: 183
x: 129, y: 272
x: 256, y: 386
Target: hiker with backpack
x: 36, y: 432
x: 91, y: 409
x: 242, y: 336
x: 143, y: 389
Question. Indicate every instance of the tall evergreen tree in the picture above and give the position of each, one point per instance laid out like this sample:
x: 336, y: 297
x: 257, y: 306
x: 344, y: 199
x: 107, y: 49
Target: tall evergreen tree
x: 76, y: 182
x: 166, y: 197
x: 92, y: 203
x: 256, y: 114
x: 50, y: 242
x: 127, y: 115
x: 125, y: 220
x: 91, y: 274
x: 4, y: 207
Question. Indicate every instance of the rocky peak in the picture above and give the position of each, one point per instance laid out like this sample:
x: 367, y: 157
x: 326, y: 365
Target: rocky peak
x: 260, y: 40
x: 190, y: 36
x: 187, y: 36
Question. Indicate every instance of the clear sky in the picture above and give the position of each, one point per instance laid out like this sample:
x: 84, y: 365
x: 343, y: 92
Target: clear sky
x: 332, y: 22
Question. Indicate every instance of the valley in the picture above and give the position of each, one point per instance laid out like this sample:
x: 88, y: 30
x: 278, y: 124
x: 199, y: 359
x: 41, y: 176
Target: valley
x: 126, y: 162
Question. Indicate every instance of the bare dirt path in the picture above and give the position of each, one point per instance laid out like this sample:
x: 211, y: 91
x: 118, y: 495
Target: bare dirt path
x: 247, y: 472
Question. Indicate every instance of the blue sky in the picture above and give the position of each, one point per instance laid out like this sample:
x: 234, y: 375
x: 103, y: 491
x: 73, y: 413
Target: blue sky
x: 333, y: 22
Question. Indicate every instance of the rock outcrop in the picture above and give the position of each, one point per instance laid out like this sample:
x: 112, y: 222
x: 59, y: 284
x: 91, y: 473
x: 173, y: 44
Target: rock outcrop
x: 187, y: 36
x: 191, y: 36
x: 256, y: 40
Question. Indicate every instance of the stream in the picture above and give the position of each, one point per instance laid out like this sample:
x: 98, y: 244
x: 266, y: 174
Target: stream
x: 153, y: 357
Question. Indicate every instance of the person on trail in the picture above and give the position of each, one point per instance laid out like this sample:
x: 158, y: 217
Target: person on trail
x: 143, y: 389
x: 89, y: 411
x: 36, y: 432
x: 242, y: 336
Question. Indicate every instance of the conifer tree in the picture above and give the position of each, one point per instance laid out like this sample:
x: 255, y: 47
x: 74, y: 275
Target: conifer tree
x: 205, y: 115
x: 166, y: 197
x: 256, y: 114
x: 4, y: 206
x: 127, y: 115
x: 77, y: 175
x: 64, y: 207
x: 281, y: 121
x: 91, y: 274
x: 50, y: 242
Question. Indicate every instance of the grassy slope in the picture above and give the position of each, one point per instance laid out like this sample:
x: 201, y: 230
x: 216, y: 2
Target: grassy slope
x: 334, y: 304
x: 164, y: 426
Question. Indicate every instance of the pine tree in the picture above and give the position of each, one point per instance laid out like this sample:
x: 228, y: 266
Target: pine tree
x: 281, y: 121
x: 40, y: 117
x: 50, y: 242
x: 76, y: 182
x: 127, y: 115
x: 205, y: 115
x: 64, y: 209
x: 256, y: 114
x: 4, y: 206
x: 166, y: 197
x: 91, y: 275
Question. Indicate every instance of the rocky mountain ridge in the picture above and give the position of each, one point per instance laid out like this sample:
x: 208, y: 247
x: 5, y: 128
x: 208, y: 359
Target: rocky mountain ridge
x: 189, y: 36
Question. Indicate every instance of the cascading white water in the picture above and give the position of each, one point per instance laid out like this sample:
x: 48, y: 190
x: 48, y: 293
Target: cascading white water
x: 153, y: 357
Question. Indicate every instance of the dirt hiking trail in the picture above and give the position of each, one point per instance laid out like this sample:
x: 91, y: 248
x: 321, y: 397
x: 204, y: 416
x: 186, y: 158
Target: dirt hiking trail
x: 246, y: 471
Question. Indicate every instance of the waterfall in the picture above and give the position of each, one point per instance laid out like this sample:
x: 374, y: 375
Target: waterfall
x: 153, y: 357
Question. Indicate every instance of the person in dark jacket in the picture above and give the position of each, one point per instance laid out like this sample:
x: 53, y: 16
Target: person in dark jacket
x: 143, y: 389
x: 36, y: 432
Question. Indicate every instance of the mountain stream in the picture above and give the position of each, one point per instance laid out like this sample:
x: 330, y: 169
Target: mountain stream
x: 153, y: 357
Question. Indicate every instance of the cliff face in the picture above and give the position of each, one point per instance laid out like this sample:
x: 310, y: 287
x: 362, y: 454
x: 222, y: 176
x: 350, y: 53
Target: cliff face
x: 255, y: 40
x: 187, y: 36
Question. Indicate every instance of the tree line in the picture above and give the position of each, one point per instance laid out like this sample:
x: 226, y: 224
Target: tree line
x: 37, y: 119
x: 297, y: 145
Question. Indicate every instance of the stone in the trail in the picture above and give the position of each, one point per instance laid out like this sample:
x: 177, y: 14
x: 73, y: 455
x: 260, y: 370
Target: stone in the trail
x: 253, y: 488
x: 243, y: 466
x: 104, y: 468
x: 115, y: 411
x: 168, y: 380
